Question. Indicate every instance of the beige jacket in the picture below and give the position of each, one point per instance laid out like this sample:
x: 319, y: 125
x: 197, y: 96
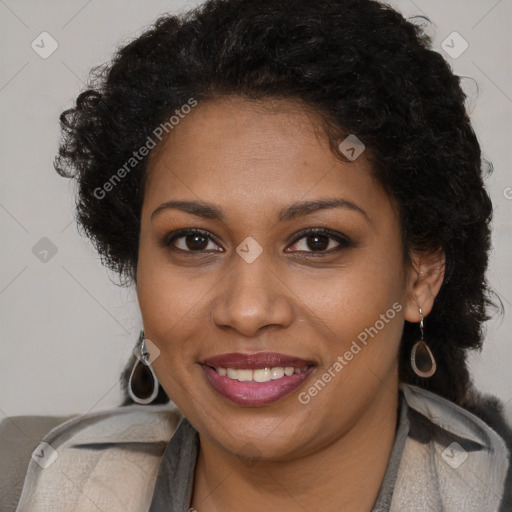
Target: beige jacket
x: 108, y: 461
x: 105, y: 461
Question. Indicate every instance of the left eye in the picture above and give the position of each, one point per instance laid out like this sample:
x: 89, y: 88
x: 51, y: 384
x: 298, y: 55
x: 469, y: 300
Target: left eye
x: 319, y: 241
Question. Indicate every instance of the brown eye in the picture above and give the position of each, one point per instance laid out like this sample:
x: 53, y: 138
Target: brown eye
x: 190, y: 240
x: 196, y: 242
x: 320, y: 241
x: 317, y: 242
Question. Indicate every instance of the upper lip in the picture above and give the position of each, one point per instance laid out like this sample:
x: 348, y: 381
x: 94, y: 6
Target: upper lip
x: 237, y: 360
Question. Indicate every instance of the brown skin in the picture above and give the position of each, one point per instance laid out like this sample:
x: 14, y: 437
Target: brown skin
x: 251, y: 162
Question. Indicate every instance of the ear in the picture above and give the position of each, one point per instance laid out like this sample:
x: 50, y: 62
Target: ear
x: 425, y: 278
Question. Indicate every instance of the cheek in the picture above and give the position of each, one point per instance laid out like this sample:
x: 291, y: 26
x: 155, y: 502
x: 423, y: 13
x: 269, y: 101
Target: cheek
x: 164, y: 292
x: 345, y: 300
x: 169, y: 305
x: 358, y: 311
x: 168, y: 301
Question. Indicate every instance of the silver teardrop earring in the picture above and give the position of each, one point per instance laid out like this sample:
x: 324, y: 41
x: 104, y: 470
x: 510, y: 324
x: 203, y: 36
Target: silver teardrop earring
x: 422, y: 359
x: 143, y: 384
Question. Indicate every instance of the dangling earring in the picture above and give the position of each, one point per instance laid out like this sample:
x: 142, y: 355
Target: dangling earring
x: 422, y: 360
x: 143, y: 384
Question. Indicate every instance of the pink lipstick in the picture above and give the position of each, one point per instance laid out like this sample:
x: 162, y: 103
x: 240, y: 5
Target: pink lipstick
x: 256, y: 379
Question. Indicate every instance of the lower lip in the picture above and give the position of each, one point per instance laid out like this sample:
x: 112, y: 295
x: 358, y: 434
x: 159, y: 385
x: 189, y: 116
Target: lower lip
x: 254, y: 394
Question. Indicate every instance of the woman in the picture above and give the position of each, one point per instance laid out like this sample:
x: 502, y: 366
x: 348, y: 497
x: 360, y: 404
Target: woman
x: 296, y: 192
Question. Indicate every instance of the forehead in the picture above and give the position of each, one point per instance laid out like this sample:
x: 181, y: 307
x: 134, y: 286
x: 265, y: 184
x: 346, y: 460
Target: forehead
x: 254, y: 155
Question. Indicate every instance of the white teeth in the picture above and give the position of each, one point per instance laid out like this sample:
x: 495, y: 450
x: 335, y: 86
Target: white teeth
x: 244, y: 375
x: 260, y: 374
x: 232, y: 374
x: 277, y: 372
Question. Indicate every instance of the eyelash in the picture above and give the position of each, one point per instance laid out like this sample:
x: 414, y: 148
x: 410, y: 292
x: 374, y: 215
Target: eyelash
x: 341, y: 239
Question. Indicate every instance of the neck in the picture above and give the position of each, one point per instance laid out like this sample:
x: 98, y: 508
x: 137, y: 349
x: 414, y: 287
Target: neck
x: 345, y: 475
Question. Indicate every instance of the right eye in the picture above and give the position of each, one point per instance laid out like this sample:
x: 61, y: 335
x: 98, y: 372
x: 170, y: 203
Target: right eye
x: 190, y: 240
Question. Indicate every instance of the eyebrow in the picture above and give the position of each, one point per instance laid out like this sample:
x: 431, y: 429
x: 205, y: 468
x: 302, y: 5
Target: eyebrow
x: 300, y: 209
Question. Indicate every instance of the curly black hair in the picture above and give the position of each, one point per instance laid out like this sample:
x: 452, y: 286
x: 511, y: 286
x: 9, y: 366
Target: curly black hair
x: 360, y: 65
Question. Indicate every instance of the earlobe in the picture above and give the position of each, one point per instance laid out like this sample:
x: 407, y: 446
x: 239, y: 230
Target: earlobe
x: 426, y: 278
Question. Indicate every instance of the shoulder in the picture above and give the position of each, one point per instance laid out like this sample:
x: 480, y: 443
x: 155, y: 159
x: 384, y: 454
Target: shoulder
x: 19, y: 436
x: 114, y: 454
x: 462, y: 461
x: 481, y: 418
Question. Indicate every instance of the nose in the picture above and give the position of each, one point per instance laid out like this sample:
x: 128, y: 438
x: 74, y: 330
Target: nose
x: 252, y: 298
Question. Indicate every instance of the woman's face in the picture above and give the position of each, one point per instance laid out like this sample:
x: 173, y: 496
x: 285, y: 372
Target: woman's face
x: 250, y: 285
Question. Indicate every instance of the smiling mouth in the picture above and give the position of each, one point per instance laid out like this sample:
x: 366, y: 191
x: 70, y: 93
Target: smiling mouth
x: 256, y: 380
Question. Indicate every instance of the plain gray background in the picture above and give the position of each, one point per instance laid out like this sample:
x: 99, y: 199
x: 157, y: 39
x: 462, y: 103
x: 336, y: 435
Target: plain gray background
x: 66, y: 329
